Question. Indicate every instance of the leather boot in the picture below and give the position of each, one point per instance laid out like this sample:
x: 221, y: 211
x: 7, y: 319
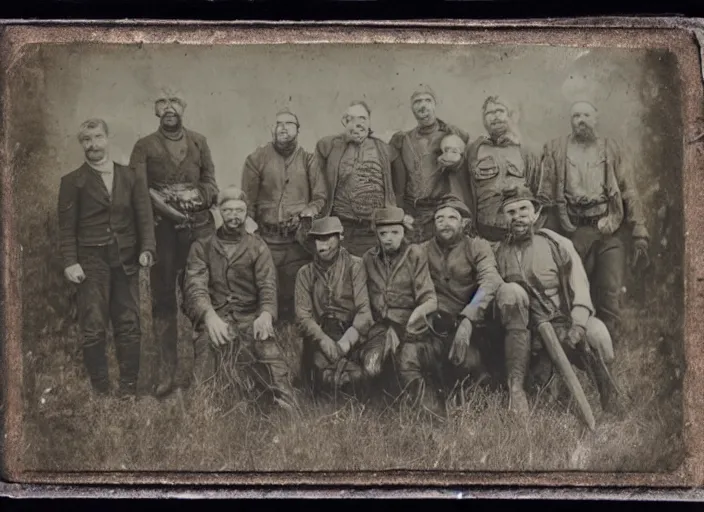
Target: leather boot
x: 517, y: 345
x: 608, y: 393
x: 96, y: 364
x: 128, y: 361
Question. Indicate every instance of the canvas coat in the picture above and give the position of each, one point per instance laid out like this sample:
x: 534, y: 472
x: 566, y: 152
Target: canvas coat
x: 279, y: 188
x: 399, y: 286
x: 465, y: 276
x: 89, y: 217
x: 341, y: 292
x: 239, y: 287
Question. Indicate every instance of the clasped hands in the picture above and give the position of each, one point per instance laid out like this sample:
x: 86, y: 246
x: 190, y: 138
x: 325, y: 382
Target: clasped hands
x: 75, y: 274
x: 221, y: 334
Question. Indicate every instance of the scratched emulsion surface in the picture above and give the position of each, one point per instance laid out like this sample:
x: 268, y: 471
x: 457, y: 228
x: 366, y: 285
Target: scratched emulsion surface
x: 232, y: 95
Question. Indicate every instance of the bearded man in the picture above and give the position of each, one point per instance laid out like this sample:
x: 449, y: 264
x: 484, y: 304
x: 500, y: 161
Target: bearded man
x: 357, y: 170
x: 495, y: 162
x: 106, y: 233
x: 402, y: 295
x: 424, y: 174
x: 181, y: 178
x: 230, y: 296
x: 284, y: 185
x: 590, y: 182
x: 332, y: 307
x: 550, y: 285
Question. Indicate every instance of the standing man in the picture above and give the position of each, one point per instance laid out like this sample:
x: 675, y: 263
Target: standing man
x: 332, y: 307
x: 357, y: 170
x: 422, y: 176
x: 284, y: 185
x: 181, y: 178
x: 594, y: 193
x: 495, y: 162
x: 230, y: 296
x: 402, y: 295
x: 107, y: 232
x: 550, y: 285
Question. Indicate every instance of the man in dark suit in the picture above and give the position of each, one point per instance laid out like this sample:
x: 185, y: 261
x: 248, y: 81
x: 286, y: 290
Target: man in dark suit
x: 107, y: 232
x: 179, y: 168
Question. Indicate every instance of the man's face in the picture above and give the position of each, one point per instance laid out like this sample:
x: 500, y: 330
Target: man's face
x: 584, y: 120
x: 390, y: 237
x: 234, y: 213
x: 452, y: 148
x: 95, y: 144
x: 286, y: 128
x: 521, y: 215
x: 170, y: 111
x: 424, y: 109
x: 327, y: 246
x: 496, y: 119
x: 357, y: 123
x: 448, y: 223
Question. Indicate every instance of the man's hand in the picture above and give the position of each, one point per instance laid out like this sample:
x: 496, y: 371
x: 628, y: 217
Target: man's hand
x: 348, y: 339
x: 416, y: 322
x: 445, y: 160
x: 330, y: 349
x: 460, y: 345
x: 308, y: 211
x: 218, y: 329
x: 146, y: 259
x: 263, y: 326
x: 576, y: 335
x: 74, y: 273
x: 250, y: 226
x: 408, y: 222
x: 640, y: 252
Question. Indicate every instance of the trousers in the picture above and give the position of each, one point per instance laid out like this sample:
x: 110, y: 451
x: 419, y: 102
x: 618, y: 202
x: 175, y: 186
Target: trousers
x: 166, y: 276
x: 108, y: 295
x: 359, y: 237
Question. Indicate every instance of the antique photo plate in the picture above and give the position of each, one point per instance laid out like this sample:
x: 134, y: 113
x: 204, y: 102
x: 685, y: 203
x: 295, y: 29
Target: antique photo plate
x: 232, y: 89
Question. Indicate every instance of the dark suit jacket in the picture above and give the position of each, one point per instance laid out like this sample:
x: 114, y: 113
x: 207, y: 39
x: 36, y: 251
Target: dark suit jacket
x: 89, y: 217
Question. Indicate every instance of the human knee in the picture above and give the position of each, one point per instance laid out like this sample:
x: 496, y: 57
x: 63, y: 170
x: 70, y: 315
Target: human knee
x: 513, y: 304
x: 599, y: 338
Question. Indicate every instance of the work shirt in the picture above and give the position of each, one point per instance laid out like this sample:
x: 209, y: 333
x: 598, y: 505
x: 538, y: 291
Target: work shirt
x: 464, y: 274
x: 360, y: 186
x: 339, y: 291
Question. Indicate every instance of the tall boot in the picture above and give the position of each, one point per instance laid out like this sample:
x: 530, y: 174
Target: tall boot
x: 517, y: 345
x: 128, y: 362
x: 608, y: 393
x: 96, y: 364
x: 166, y: 333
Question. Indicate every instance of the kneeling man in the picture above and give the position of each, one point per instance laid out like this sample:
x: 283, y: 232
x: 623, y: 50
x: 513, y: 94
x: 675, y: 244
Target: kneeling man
x: 332, y: 307
x: 230, y: 294
x: 551, y: 285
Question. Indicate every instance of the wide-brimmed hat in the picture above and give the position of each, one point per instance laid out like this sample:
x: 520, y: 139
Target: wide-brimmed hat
x: 456, y: 203
x: 325, y: 226
x: 388, y: 216
x: 515, y: 194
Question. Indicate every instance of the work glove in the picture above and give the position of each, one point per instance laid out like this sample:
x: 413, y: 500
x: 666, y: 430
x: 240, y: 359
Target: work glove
x: 218, y: 329
x: 263, y: 326
x: 392, y: 341
x: 146, y: 259
x: 640, y: 253
x: 330, y: 349
x: 74, y: 273
x: 460, y: 345
x: 576, y: 335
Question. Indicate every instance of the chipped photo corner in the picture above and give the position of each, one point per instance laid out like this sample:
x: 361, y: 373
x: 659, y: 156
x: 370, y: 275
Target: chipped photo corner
x: 459, y: 254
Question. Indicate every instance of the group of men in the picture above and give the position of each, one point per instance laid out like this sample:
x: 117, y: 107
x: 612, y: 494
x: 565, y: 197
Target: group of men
x: 431, y: 258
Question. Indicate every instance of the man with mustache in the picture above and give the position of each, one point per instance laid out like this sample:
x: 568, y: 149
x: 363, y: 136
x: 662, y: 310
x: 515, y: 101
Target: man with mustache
x: 357, y: 170
x: 549, y: 284
x: 230, y: 296
x: 180, y: 171
x: 588, y: 178
x: 467, y: 284
x: 402, y: 294
x: 332, y: 307
x: 284, y: 185
x: 106, y: 232
x: 495, y: 162
x: 424, y: 173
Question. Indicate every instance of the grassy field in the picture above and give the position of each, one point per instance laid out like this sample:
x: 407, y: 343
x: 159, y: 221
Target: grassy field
x: 66, y: 428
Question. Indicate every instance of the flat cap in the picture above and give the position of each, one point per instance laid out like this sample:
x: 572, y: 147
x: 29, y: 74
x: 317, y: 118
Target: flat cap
x: 423, y: 89
x: 457, y: 204
x: 388, y: 216
x: 515, y: 194
x: 231, y: 193
x: 325, y: 226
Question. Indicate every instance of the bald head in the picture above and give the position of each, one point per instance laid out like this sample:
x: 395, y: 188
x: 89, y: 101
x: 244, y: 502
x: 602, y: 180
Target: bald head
x: 583, y: 117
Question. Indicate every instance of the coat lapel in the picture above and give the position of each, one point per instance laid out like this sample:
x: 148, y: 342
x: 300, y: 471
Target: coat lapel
x: 95, y: 185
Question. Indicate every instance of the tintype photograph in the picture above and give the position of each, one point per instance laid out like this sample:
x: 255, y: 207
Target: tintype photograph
x: 271, y: 250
